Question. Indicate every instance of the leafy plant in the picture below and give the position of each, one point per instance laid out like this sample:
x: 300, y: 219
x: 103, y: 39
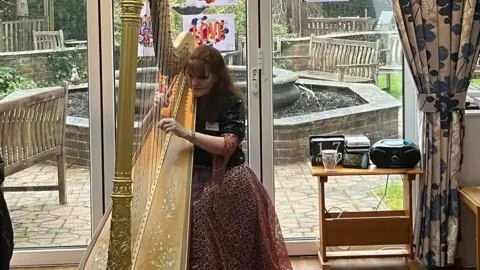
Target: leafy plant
x: 287, y: 64
x: 280, y: 30
x: 61, y: 62
x: 10, y: 82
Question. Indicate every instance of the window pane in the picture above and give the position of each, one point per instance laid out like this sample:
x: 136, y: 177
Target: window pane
x: 337, y: 71
x: 45, y: 137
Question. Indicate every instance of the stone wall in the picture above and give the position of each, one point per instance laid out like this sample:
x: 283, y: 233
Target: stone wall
x: 290, y: 142
x: 378, y: 119
x: 78, y: 146
x: 34, y: 64
x: 77, y: 141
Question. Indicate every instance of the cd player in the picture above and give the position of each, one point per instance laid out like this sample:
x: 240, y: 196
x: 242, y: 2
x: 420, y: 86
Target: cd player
x: 395, y: 153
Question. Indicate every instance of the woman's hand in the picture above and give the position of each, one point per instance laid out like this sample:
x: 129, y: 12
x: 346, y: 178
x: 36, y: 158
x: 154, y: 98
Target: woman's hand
x: 170, y: 125
x: 161, y: 99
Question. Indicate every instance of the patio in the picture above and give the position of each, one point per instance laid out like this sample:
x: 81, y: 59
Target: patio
x: 39, y: 221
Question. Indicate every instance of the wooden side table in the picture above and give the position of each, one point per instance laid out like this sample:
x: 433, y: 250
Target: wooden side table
x: 470, y: 196
x: 366, y: 228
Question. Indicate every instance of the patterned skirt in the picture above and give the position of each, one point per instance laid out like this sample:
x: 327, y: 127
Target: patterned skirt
x: 234, y: 224
x: 6, y: 234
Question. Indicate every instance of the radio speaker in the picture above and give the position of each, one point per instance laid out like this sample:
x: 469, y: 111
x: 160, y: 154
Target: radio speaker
x: 395, y: 153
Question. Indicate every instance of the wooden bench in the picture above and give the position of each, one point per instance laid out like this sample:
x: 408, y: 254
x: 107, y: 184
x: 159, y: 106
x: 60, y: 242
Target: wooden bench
x: 47, y: 40
x: 32, y: 130
x: 470, y: 196
x: 393, y: 58
x: 323, y: 26
x: 17, y: 35
x: 341, y: 60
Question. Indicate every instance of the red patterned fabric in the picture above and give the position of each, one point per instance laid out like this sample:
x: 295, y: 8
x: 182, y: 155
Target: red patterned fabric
x: 234, y: 224
x: 220, y: 162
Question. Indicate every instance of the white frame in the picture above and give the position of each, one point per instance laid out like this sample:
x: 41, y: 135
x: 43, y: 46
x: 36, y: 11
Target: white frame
x: 108, y: 102
x: 412, y: 127
x: 102, y: 136
x: 308, y: 247
x: 268, y: 170
x: 254, y: 124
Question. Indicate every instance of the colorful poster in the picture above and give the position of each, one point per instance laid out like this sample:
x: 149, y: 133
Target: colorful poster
x: 211, y: 2
x: 217, y: 30
x: 145, y: 33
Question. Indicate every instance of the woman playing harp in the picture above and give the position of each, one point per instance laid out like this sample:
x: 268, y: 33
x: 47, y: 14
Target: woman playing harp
x: 234, y: 224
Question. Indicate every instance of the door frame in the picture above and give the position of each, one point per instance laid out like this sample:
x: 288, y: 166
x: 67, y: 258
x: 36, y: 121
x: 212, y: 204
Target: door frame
x: 253, y: 66
x: 307, y: 246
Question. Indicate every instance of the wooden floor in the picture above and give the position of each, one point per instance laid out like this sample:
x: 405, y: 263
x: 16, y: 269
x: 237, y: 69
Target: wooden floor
x: 309, y: 263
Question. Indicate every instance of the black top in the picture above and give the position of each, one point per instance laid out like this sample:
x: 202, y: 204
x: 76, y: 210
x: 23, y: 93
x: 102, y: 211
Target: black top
x: 6, y: 229
x: 231, y: 120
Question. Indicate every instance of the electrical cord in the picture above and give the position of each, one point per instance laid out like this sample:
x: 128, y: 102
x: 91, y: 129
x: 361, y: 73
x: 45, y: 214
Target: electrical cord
x: 376, y: 209
x: 327, y: 212
x: 384, y: 194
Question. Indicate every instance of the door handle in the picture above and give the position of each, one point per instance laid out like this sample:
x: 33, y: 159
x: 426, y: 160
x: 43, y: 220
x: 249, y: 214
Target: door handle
x: 255, y: 80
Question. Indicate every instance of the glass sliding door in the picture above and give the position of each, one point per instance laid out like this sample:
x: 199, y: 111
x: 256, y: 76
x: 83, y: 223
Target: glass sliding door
x: 329, y: 68
x: 62, y: 156
x: 233, y: 37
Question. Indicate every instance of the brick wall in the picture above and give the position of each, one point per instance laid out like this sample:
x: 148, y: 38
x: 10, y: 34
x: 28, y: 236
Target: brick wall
x: 77, y: 142
x: 77, y: 145
x: 290, y: 142
x: 33, y: 64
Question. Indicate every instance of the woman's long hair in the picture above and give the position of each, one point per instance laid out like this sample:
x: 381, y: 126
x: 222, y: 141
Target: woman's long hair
x: 206, y: 60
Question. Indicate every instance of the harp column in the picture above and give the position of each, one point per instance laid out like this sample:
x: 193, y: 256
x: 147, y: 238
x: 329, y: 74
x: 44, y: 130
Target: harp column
x: 119, y: 250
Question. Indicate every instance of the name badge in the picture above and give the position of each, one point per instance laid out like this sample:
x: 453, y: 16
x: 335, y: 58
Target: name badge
x: 212, y: 126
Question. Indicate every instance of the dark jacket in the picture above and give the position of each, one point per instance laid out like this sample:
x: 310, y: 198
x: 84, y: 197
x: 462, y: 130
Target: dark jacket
x: 6, y: 229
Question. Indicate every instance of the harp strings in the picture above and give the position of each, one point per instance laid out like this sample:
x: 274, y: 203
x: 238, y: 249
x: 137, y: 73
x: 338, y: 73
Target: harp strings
x: 148, y: 142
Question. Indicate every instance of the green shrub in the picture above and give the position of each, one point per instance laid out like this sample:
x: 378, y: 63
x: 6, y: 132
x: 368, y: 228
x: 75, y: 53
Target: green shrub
x: 10, y: 82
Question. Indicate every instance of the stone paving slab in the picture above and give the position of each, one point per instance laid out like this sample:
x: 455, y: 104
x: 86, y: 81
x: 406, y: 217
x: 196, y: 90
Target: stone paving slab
x: 40, y: 221
x: 296, y: 197
x: 38, y: 218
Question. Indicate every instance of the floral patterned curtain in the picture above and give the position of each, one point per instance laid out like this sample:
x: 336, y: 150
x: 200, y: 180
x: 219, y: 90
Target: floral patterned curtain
x: 441, y: 42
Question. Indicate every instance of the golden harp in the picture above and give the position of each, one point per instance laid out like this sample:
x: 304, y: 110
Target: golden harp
x: 147, y: 224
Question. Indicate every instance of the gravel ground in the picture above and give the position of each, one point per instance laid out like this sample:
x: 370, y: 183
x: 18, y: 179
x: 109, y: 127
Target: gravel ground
x: 323, y: 100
